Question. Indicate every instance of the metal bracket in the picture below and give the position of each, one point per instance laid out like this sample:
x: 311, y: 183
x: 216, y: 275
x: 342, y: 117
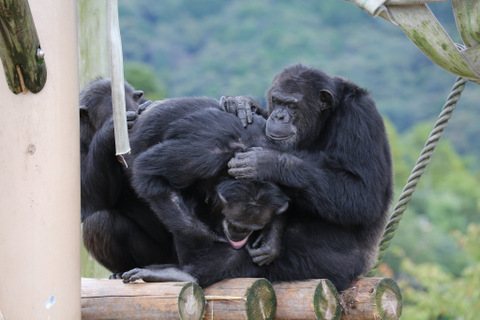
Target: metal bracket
x: 20, y: 50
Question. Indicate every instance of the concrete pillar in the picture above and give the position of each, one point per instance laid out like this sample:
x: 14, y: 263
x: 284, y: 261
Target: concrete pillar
x: 39, y: 179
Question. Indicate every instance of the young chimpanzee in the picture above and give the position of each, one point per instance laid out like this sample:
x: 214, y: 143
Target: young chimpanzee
x: 119, y: 228
x: 181, y: 147
x: 330, y: 154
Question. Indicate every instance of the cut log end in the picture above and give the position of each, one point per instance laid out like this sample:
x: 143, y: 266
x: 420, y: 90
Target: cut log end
x: 325, y: 301
x: 191, y: 302
x: 261, y: 301
x: 372, y: 298
x: 389, y: 299
x: 309, y: 299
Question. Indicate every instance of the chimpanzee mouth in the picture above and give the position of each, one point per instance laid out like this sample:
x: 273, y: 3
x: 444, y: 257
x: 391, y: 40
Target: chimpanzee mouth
x: 237, y: 237
x: 273, y: 136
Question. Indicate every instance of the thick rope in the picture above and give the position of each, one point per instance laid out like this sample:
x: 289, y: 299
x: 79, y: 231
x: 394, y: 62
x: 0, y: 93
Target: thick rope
x: 418, y: 170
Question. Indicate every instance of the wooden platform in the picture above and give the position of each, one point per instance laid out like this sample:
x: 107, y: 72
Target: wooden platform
x: 242, y: 298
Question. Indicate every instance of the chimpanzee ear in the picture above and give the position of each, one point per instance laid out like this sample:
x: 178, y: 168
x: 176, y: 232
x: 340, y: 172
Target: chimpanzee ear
x: 137, y: 94
x: 326, y: 99
x: 83, y: 112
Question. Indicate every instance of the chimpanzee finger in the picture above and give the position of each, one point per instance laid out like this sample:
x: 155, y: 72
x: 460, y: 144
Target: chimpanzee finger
x: 231, y: 105
x: 132, y: 275
x: 257, y: 242
x: 223, y: 103
x: 115, y: 276
x: 244, y: 110
x: 131, y: 118
x: 241, y: 173
x: 249, y: 106
x: 246, y: 103
x: 131, y: 115
x: 239, y: 156
x: 236, y: 163
x: 242, y: 115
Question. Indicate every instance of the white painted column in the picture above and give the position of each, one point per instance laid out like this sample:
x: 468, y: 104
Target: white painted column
x: 40, y: 179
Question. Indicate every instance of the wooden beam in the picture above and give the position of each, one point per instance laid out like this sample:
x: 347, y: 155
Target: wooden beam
x: 113, y: 299
x: 20, y: 50
x: 241, y: 298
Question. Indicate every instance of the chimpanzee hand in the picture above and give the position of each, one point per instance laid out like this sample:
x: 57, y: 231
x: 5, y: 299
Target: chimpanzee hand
x: 131, y: 118
x: 255, y: 163
x: 241, y: 106
x: 268, y: 244
x: 144, y: 106
x: 264, y: 250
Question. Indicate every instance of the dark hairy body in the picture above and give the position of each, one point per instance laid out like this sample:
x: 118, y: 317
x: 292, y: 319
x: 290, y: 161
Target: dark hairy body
x: 180, y: 151
x: 119, y: 228
x: 324, y: 144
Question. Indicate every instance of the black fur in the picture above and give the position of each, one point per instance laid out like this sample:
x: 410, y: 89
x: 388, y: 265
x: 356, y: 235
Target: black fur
x: 119, y: 228
x: 329, y: 153
x: 180, y: 151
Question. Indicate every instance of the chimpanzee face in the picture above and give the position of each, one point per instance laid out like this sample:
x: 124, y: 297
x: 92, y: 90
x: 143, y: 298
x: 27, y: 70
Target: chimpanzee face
x: 296, y: 100
x: 248, y: 206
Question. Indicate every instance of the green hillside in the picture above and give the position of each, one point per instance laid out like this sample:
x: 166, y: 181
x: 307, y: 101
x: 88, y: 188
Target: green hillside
x: 221, y: 47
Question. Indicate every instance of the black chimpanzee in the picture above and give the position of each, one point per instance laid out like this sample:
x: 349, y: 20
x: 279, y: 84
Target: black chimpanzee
x: 119, y: 228
x: 180, y: 151
x: 331, y: 156
x: 121, y: 231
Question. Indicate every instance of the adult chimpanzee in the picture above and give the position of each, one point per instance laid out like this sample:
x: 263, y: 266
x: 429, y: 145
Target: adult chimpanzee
x: 180, y: 167
x: 119, y: 228
x: 331, y: 156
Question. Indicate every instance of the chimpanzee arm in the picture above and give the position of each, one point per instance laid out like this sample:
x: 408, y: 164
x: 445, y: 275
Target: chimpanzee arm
x: 101, y: 173
x: 335, y: 192
x: 177, y: 213
x: 181, y: 163
x: 158, y: 273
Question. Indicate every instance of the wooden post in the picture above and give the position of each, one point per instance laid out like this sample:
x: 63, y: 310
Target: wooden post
x: 303, y: 300
x: 242, y: 298
x: 93, y: 43
x: 40, y: 179
x: 371, y: 298
x: 20, y: 50
x: 113, y: 299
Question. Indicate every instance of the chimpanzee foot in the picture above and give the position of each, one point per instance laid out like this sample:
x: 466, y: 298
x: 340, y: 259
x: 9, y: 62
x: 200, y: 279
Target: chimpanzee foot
x: 157, y: 275
x: 114, y: 276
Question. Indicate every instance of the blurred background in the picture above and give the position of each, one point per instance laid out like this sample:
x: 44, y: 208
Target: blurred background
x: 216, y: 47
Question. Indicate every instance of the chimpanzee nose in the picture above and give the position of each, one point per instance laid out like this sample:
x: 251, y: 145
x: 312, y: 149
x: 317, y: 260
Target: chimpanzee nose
x: 282, y: 115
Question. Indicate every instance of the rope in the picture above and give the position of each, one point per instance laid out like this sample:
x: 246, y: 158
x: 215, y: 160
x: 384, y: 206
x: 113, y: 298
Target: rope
x: 418, y: 170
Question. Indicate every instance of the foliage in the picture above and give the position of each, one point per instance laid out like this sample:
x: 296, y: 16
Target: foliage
x: 142, y: 77
x: 446, y: 199
x: 217, y: 48
x: 430, y: 292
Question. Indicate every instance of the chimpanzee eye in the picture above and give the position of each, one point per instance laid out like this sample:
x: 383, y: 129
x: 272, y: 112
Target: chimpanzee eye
x: 292, y: 109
